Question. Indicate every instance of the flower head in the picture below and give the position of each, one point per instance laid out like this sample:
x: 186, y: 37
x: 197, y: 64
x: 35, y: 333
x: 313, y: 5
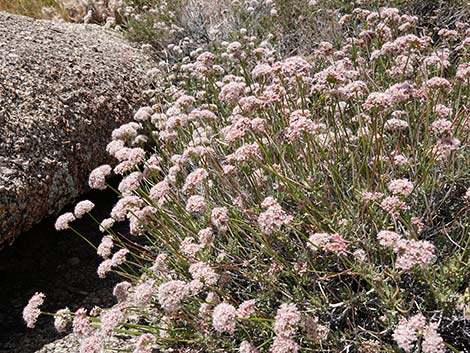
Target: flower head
x: 63, y: 221
x: 224, y: 318
x: 82, y: 208
x: 196, y: 205
x: 401, y: 187
x: 61, y: 319
x: 171, y: 294
x: 286, y: 320
x: 97, y: 179
x: 31, y: 311
x: 220, y: 219
x: 273, y: 219
x: 283, y: 344
x: 145, y: 343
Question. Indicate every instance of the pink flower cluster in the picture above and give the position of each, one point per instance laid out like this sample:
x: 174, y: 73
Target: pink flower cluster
x: 300, y: 124
x: 328, y: 242
x: 171, y: 294
x: 271, y: 220
x: 393, y: 205
x: 247, y: 347
x: 62, y: 319
x: 202, y: 272
x: 82, y: 208
x: 97, y: 178
x: 410, y: 253
x: 408, y: 331
x: 107, y: 265
x: 195, y: 179
x: 401, y: 187
x: 196, y: 204
x: 224, y: 318
x: 145, y: 343
x: 31, y: 311
x: 285, y: 327
x: 220, y: 218
x: 63, y: 221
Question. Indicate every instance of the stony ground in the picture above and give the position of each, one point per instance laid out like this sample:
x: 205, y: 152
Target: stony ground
x: 61, y: 265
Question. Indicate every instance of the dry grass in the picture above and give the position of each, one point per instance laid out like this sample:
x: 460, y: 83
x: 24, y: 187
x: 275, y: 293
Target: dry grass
x: 33, y: 8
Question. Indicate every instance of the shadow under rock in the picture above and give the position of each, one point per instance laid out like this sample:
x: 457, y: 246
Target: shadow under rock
x: 59, y: 264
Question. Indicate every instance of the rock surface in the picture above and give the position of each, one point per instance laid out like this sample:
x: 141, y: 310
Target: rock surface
x: 68, y: 344
x: 63, y: 88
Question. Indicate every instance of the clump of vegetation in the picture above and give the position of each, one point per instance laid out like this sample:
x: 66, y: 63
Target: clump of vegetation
x: 299, y: 24
x: 35, y: 9
x: 291, y: 203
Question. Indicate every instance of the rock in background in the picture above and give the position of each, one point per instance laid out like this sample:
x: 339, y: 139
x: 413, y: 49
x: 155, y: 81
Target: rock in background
x: 63, y: 89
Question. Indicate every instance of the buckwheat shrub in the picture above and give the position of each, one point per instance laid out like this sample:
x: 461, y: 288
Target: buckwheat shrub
x: 334, y: 182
